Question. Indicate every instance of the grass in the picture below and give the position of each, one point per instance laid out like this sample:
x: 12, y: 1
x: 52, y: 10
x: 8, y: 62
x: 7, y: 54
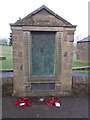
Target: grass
x: 7, y: 52
x: 79, y: 63
x: 82, y: 71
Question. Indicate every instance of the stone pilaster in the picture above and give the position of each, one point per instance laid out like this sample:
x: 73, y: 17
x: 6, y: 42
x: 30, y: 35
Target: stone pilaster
x: 67, y: 56
x: 58, y: 58
x: 27, y: 59
x: 19, y: 87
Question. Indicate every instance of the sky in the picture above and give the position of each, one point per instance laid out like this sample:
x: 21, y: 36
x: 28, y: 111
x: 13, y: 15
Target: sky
x: 74, y: 11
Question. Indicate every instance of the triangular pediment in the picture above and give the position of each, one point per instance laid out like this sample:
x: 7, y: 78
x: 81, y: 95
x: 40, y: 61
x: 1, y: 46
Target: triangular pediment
x: 43, y: 16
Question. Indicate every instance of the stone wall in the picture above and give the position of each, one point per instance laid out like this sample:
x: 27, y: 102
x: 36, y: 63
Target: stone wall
x: 7, y: 86
x: 83, y: 51
x: 7, y: 80
x: 80, y: 79
x: 80, y: 85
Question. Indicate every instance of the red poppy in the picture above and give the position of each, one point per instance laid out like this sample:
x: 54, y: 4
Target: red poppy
x: 52, y: 101
x: 22, y: 103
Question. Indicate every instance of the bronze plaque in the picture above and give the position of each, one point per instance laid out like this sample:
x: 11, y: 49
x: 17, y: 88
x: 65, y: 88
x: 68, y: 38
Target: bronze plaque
x: 43, y: 53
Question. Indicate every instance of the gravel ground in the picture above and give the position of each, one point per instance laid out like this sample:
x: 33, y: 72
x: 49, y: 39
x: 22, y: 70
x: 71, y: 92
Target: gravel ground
x: 71, y: 107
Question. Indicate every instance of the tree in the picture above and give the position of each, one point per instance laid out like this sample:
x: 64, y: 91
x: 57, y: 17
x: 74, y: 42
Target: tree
x: 10, y: 42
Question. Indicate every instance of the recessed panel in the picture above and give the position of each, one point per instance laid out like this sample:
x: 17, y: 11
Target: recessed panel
x: 42, y: 87
x: 43, y: 53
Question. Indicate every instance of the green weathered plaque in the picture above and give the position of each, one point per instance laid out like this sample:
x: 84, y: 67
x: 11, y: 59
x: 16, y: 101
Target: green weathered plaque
x: 43, y: 53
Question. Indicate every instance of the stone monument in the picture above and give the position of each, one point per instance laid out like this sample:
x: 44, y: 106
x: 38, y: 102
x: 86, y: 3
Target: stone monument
x: 42, y: 54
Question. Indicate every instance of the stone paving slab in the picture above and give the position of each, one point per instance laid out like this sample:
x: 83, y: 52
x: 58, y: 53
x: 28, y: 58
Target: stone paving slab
x: 75, y: 107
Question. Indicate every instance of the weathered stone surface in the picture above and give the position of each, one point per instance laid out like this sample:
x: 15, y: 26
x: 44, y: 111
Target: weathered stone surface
x: 17, y: 36
x: 42, y: 20
x: 43, y: 17
x: 83, y: 51
x: 79, y: 87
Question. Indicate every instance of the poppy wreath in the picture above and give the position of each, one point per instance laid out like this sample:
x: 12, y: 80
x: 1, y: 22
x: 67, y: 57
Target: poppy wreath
x: 52, y: 101
x: 22, y: 102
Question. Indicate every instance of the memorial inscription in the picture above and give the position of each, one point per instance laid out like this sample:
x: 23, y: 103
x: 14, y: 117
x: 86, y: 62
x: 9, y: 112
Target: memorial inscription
x: 43, y: 52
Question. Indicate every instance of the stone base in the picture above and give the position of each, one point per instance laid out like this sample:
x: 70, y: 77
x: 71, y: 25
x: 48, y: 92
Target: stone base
x: 44, y: 94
